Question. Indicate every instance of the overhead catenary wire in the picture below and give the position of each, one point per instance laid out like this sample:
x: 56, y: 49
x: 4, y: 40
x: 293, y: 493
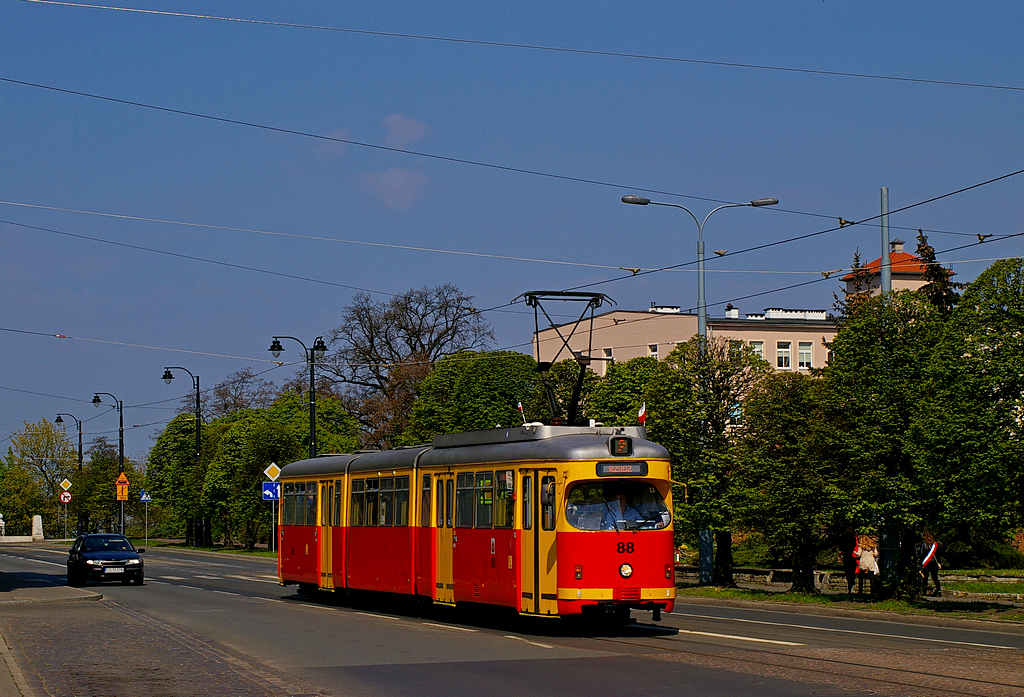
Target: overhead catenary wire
x: 540, y: 47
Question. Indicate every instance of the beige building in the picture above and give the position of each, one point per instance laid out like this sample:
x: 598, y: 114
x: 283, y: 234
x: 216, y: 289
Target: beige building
x: 788, y: 339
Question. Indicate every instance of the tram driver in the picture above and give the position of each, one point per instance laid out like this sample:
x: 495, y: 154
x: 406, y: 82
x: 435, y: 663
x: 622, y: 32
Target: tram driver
x: 621, y: 514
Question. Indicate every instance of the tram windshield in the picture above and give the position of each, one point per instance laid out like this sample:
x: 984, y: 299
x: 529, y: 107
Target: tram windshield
x: 621, y: 504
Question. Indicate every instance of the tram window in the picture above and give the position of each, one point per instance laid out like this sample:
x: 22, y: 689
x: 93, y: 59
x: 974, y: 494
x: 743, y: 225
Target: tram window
x: 449, y: 502
x: 387, y: 505
x: 289, y: 505
x: 505, y: 499
x: 425, y: 503
x: 355, y: 518
x: 616, y: 504
x: 527, y: 502
x: 337, y: 503
x: 311, y: 503
x: 325, y: 508
x: 464, y: 500
x: 300, y: 504
x: 439, y: 504
x: 372, y: 508
x: 484, y: 499
x: 547, y: 510
x: 401, y: 501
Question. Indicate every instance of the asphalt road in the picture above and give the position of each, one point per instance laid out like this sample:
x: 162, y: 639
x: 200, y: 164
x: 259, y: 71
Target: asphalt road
x: 223, y: 622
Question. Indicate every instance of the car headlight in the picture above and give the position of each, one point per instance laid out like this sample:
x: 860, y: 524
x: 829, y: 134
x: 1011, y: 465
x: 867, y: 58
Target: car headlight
x: 133, y: 561
x: 93, y: 562
x: 625, y: 571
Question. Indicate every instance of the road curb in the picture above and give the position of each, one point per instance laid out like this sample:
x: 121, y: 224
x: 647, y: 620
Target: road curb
x: 1009, y: 626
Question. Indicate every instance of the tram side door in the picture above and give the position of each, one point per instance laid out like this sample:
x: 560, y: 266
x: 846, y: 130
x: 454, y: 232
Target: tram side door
x: 539, y: 582
x: 324, y: 524
x: 445, y: 519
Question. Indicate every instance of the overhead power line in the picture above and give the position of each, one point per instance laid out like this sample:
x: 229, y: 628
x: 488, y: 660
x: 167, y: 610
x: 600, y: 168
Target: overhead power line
x: 539, y: 47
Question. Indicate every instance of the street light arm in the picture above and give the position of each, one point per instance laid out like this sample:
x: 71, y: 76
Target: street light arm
x: 676, y: 205
x: 178, y: 367
x: 715, y: 210
x: 293, y: 339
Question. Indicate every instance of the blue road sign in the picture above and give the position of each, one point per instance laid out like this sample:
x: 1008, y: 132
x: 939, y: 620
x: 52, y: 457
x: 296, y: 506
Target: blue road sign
x: 271, y: 491
x: 144, y: 496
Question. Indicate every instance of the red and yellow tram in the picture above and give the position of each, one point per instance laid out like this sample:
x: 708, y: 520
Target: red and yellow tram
x: 549, y: 520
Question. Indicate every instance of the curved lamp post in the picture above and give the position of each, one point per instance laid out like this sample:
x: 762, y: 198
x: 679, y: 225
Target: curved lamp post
x: 312, y: 355
x: 705, y: 548
x: 702, y: 321
x: 96, y: 402
x: 81, y: 515
x: 167, y: 378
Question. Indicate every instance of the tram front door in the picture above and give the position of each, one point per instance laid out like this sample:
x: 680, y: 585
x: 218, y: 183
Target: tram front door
x: 539, y: 580
x: 445, y: 518
x: 324, y: 523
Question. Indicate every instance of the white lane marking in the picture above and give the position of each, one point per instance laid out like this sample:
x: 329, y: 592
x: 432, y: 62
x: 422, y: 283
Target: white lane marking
x: 37, y: 561
x: 194, y: 588
x: 269, y: 600
x: 51, y: 551
x: 161, y: 583
x: 380, y: 617
x: 448, y: 626
x: 735, y: 637
x: 532, y: 643
x: 254, y: 579
x: 225, y: 592
x: 209, y: 578
x: 847, y: 631
x: 175, y: 578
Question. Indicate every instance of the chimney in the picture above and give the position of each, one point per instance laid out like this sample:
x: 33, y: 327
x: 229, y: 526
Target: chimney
x: 732, y: 312
x: 896, y: 246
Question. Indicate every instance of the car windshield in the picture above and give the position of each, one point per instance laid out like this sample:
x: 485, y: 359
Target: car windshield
x: 620, y: 504
x: 106, y: 544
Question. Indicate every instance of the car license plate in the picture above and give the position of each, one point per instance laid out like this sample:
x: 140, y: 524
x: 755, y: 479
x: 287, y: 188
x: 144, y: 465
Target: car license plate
x: 114, y: 570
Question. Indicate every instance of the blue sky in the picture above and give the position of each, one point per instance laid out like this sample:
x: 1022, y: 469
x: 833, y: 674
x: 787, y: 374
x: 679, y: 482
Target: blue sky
x: 823, y: 145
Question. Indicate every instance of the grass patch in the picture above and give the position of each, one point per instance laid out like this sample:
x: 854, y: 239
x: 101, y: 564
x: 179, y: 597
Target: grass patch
x: 194, y: 548
x: 980, y: 587
x: 986, y: 572
x: 934, y: 608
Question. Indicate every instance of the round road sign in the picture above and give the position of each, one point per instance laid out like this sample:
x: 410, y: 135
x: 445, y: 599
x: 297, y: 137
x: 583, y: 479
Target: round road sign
x: 65, y: 497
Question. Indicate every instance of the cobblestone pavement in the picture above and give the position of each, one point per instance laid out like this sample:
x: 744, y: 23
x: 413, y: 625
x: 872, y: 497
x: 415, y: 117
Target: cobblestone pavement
x: 102, y: 649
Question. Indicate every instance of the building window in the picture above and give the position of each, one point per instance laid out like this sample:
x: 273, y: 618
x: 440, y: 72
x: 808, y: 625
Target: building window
x: 758, y: 348
x: 783, y: 353
x: 652, y: 350
x: 804, y: 356
x: 608, y: 355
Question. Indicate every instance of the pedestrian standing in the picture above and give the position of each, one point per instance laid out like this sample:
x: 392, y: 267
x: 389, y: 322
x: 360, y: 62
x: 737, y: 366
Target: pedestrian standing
x: 868, y: 564
x: 928, y: 550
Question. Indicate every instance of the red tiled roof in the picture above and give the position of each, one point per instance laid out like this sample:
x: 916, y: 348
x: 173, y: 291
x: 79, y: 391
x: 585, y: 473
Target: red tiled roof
x: 901, y: 263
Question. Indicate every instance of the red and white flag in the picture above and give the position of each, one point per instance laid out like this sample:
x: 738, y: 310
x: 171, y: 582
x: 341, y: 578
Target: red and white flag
x: 642, y: 415
x: 519, y: 406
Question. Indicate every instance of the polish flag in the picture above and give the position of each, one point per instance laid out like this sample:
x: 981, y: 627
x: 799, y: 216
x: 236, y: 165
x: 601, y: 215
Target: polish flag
x: 519, y: 406
x: 642, y: 416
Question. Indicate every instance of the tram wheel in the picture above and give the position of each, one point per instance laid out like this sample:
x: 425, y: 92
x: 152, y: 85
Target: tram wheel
x: 306, y: 589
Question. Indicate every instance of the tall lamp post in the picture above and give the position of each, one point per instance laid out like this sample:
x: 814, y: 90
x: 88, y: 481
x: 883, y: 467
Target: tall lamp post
x: 312, y: 355
x: 96, y: 402
x: 81, y: 522
x: 706, y: 546
x: 167, y: 378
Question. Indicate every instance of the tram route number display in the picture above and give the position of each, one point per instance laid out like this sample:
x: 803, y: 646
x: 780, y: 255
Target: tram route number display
x: 621, y: 469
x: 624, y: 548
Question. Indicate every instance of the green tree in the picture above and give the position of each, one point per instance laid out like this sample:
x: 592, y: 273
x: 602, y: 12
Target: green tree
x: 468, y: 391
x: 872, y: 387
x: 176, y: 479
x: 970, y: 426
x: 21, y: 497
x: 792, y: 488
x: 337, y: 431
x: 940, y: 290
x: 41, y: 454
x: 721, y: 373
x: 232, y: 487
x: 95, y: 493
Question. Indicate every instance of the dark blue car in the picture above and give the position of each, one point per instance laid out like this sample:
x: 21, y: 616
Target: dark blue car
x: 104, y: 557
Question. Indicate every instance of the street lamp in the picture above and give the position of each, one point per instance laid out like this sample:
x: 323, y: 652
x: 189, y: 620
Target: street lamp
x: 706, y: 546
x: 312, y: 355
x: 702, y: 322
x: 81, y: 514
x: 167, y: 378
x: 96, y: 402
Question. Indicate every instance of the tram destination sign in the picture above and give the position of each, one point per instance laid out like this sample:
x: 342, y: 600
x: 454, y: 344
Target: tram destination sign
x: 621, y: 469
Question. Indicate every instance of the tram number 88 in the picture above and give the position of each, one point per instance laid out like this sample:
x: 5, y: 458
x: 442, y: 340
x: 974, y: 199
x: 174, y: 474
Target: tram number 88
x: 625, y: 548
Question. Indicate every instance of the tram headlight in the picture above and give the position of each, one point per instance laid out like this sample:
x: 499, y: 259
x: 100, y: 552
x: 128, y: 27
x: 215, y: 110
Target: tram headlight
x: 626, y: 570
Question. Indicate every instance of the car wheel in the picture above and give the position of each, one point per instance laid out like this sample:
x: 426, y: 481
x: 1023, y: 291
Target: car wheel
x: 139, y: 581
x: 125, y: 581
x: 74, y: 579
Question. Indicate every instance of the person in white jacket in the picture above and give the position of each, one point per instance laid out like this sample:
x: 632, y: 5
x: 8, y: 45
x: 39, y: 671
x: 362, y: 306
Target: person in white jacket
x: 868, y: 564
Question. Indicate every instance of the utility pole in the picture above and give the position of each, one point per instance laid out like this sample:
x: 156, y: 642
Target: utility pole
x: 886, y: 268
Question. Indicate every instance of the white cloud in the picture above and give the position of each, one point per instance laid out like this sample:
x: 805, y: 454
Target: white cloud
x: 402, y: 130
x: 395, y: 188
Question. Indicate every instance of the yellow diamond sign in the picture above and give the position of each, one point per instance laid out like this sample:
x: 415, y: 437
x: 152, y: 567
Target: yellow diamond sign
x: 272, y: 472
x: 65, y: 485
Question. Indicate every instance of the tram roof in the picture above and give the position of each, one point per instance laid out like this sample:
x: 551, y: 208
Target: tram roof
x: 531, y: 442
